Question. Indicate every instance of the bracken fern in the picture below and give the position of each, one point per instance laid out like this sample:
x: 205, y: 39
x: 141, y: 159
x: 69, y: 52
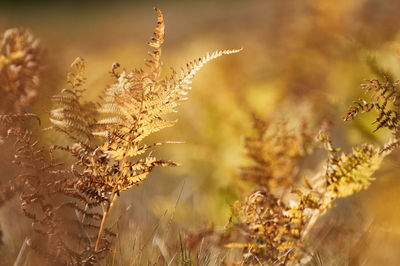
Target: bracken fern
x: 106, y: 140
x: 277, y: 224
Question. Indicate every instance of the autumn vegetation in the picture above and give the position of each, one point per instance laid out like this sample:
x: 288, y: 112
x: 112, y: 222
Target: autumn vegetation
x: 72, y: 176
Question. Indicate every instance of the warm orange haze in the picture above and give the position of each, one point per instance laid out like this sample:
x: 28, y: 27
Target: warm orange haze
x: 199, y: 133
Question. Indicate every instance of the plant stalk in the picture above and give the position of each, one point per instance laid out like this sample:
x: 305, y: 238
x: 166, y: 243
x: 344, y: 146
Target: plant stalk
x: 106, y: 212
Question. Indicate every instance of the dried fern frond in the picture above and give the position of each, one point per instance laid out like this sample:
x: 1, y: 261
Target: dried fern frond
x: 19, y: 70
x: 275, y: 151
x: 384, y: 99
x: 49, y: 195
x: 276, y: 225
x: 271, y: 234
x: 275, y: 230
x: 13, y: 120
x: 9, y: 123
x: 155, y: 63
x: 180, y: 82
x: 348, y: 174
x: 71, y: 116
x: 108, y: 136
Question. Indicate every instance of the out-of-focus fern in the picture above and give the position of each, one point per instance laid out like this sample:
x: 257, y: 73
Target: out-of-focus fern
x: 72, y: 117
x: 20, y: 57
x: 384, y: 99
x: 270, y: 232
x: 277, y: 225
x: 52, y: 200
x: 350, y: 173
x: 274, y: 152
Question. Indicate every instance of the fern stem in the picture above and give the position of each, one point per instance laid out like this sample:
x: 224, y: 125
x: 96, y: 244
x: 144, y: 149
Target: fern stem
x: 22, y: 254
x: 106, y: 212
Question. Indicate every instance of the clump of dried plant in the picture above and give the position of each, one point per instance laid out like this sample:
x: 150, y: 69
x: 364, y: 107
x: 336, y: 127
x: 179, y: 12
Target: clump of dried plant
x: 276, y: 219
x: 20, y: 57
x: 69, y: 201
x: 384, y: 99
x: 107, y: 144
x: 274, y: 151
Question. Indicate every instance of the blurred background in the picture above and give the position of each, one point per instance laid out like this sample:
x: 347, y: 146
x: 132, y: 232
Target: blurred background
x: 300, y: 60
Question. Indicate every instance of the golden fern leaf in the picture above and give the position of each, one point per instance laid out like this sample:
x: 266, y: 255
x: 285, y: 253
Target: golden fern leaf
x: 348, y: 174
x: 274, y: 152
x: 9, y: 120
x: 385, y: 99
x: 141, y: 114
x: 180, y: 82
x: 270, y: 231
x: 76, y: 79
x: 275, y: 224
x: 134, y: 106
x: 129, y: 110
x: 155, y: 63
x: 71, y: 116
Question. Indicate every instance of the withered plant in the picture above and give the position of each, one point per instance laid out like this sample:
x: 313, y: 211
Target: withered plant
x: 107, y: 144
x: 384, y: 98
x: 274, y: 151
x: 275, y: 224
x: 20, y: 57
